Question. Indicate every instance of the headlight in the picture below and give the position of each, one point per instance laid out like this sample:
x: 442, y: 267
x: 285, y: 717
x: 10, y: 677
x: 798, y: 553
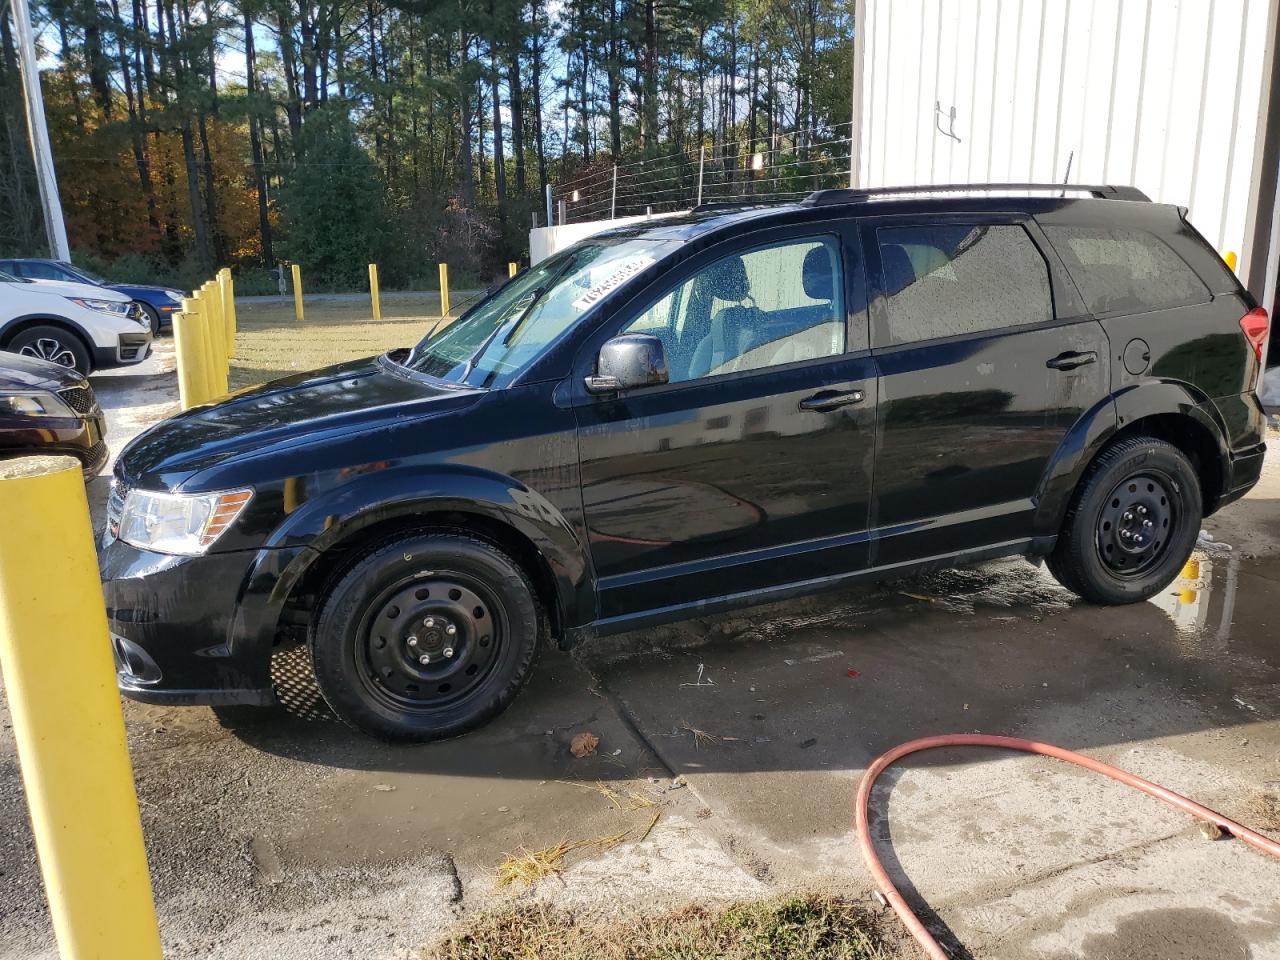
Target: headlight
x: 33, y: 405
x: 117, y: 308
x: 182, y: 523
x: 177, y: 296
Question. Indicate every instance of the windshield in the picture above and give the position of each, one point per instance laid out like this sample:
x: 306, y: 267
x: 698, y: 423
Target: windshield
x: 490, y: 344
x: 85, y: 275
x: 7, y: 278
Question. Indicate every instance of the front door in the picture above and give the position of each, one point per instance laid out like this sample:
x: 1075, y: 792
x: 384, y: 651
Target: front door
x: 752, y: 467
x: 985, y: 365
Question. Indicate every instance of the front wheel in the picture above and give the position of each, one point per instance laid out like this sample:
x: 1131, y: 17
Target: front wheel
x: 153, y: 318
x: 55, y: 345
x: 1132, y: 523
x: 426, y: 636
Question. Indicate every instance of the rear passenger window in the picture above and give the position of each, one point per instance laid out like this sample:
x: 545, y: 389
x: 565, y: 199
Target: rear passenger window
x: 943, y: 280
x: 1125, y: 271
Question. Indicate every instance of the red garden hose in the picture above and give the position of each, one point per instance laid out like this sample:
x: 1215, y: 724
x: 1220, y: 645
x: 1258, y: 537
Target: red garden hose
x: 905, y: 913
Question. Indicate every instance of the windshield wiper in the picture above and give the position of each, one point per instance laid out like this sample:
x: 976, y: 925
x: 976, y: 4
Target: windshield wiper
x: 471, y: 363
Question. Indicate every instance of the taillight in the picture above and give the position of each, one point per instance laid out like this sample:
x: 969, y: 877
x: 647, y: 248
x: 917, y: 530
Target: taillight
x: 1254, y: 326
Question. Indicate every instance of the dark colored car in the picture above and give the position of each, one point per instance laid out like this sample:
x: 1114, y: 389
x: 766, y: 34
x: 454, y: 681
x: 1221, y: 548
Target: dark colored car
x: 691, y: 415
x: 46, y: 408
x: 158, y: 303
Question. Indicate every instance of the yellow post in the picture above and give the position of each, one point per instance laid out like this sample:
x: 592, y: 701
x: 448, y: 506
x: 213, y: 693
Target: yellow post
x: 1230, y: 257
x: 444, y: 290
x: 374, y: 293
x: 297, y: 293
x: 58, y: 673
x: 512, y: 269
x: 208, y: 349
x: 217, y: 337
x: 187, y: 347
x: 227, y: 289
x: 196, y: 336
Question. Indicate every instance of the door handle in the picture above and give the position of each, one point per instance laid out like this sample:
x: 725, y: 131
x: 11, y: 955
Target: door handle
x: 831, y: 400
x: 1071, y: 359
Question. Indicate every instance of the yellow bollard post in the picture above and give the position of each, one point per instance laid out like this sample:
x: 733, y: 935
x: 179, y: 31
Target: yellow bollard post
x: 297, y: 293
x: 374, y: 293
x: 60, y: 680
x: 199, y: 352
x: 217, y: 337
x: 1230, y: 258
x: 209, y: 350
x: 228, y: 309
x: 444, y: 290
x: 187, y: 348
x: 512, y: 269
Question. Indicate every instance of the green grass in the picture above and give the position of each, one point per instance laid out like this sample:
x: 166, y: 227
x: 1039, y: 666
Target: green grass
x: 270, y: 343
x: 781, y: 928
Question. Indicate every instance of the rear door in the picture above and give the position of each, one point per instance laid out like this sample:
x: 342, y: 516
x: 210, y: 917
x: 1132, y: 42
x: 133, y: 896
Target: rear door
x: 986, y: 361
x: 752, y: 467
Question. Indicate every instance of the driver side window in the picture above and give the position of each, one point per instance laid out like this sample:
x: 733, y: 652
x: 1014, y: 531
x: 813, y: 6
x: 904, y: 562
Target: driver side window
x: 769, y: 306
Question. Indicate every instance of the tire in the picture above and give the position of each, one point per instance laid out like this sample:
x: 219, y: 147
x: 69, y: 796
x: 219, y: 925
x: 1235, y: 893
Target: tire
x: 153, y: 317
x: 1132, y: 523
x: 57, y: 344
x: 456, y: 599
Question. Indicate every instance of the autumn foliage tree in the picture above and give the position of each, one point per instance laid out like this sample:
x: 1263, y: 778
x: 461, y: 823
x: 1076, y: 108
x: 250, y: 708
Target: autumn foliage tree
x: 197, y: 133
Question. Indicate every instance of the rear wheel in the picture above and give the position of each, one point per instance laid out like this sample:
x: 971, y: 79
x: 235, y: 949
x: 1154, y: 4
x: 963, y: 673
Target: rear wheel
x: 55, y: 345
x: 426, y: 636
x: 1132, y: 523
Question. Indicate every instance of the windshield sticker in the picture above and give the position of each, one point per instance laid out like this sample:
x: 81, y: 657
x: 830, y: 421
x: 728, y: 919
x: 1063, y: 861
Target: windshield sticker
x: 610, y: 283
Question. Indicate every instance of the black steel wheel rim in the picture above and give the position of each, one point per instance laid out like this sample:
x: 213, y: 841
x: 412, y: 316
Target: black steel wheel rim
x: 1136, y: 523
x: 428, y: 642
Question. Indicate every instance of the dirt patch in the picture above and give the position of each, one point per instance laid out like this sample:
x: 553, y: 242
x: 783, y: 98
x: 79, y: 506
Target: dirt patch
x: 784, y: 928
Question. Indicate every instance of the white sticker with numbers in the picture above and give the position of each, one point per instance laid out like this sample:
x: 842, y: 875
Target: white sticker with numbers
x: 610, y: 283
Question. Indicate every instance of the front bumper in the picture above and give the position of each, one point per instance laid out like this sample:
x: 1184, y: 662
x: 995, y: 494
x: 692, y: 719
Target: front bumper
x: 129, y: 348
x: 178, y: 629
x: 82, y: 438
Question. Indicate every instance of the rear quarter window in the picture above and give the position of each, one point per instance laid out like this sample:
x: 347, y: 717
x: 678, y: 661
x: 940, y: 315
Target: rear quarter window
x: 1122, y: 271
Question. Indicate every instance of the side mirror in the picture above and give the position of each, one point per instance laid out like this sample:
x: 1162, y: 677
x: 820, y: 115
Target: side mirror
x: 629, y: 361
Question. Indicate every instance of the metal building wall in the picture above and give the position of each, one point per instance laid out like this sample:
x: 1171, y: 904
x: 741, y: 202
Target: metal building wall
x: 1167, y: 95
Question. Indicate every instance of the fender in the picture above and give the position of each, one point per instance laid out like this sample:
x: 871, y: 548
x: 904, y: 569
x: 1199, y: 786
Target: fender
x: 7, y: 328
x: 1098, y: 425
x: 343, y: 510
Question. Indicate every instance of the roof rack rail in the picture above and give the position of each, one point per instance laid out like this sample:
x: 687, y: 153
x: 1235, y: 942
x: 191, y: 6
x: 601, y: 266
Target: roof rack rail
x: 740, y: 203
x: 822, y: 198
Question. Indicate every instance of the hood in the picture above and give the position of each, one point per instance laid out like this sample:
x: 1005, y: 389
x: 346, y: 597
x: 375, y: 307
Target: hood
x: 286, y: 414
x: 63, y: 288
x: 135, y: 290
x: 24, y: 373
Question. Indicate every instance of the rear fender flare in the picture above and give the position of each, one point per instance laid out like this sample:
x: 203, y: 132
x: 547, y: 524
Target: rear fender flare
x: 1099, y: 425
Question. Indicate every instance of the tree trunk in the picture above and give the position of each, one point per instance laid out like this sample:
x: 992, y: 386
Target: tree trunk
x: 193, y: 197
x: 649, y: 125
x: 255, y: 144
x: 467, y: 188
x: 499, y: 162
x: 517, y: 118
x: 539, y: 140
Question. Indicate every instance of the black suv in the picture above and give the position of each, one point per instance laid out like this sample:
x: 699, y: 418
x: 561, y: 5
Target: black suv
x: 696, y: 413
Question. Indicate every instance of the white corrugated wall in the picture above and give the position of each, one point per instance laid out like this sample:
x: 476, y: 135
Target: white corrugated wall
x: 1162, y: 94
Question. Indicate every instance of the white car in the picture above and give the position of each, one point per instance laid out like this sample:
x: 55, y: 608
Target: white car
x: 74, y: 324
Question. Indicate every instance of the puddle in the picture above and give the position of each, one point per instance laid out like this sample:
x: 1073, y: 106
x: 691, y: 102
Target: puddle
x: 1001, y: 584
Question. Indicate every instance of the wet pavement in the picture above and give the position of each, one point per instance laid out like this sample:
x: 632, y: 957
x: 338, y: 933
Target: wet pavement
x: 729, y: 752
